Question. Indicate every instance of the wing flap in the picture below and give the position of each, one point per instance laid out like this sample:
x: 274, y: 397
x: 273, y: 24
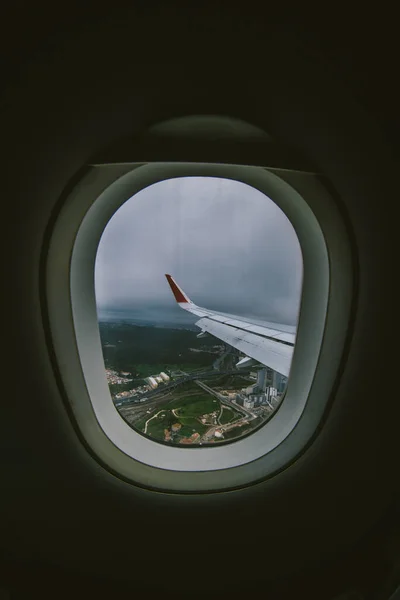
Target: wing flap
x: 269, y: 352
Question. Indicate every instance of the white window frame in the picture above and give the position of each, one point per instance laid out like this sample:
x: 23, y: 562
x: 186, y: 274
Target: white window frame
x: 323, y: 323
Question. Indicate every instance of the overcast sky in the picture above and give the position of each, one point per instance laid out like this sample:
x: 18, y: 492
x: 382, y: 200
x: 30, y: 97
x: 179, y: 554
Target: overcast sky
x: 227, y: 245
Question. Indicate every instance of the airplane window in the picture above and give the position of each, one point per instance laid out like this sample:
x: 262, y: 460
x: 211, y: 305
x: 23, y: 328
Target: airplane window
x: 198, y: 284
x: 177, y: 296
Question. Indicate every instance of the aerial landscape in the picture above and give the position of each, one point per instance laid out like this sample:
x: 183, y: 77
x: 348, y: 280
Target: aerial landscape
x: 175, y: 388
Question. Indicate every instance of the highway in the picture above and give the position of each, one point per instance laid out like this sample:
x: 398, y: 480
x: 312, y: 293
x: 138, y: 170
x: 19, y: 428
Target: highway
x: 225, y: 400
x: 169, y: 386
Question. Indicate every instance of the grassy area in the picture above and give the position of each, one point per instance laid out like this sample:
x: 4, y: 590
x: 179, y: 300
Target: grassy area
x: 237, y: 432
x: 146, y: 350
x: 215, y: 381
x: 195, y: 406
x: 156, y: 427
x: 228, y: 416
x: 236, y: 382
x: 188, y: 410
x: 164, y: 420
x: 188, y: 425
x: 189, y: 386
x: 141, y: 423
x: 229, y: 381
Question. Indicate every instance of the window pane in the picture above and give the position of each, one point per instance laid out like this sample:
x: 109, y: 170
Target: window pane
x: 214, y: 368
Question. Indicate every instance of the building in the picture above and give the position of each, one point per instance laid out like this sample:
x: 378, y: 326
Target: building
x: 272, y: 392
x: 164, y: 376
x: 261, y: 380
x: 238, y: 399
x: 259, y: 387
x: 151, y: 382
x: 261, y: 399
x: 248, y: 403
x: 255, y: 399
x: 279, y: 382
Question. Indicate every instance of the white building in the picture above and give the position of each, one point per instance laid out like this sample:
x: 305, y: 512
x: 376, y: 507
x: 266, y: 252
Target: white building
x: 248, y: 403
x: 164, y: 376
x: 272, y: 392
x: 151, y: 382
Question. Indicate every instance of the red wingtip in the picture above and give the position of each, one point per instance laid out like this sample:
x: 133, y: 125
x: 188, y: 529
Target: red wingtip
x: 180, y: 296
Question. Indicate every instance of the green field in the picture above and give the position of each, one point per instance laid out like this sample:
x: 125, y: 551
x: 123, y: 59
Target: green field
x: 237, y: 432
x: 194, y: 406
x: 146, y: 350
x: 156, y: 428
x: 190, y: 425
x: 228, y: 416
x: 188, y: 410
x: 237, y: 382
x: 139, y: 425
x: 188, y: 386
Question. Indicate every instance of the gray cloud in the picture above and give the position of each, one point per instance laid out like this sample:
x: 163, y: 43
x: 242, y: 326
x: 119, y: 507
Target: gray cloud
x: 228, y: 246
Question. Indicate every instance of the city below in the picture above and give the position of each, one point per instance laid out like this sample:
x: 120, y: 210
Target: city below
x: 203, y: 400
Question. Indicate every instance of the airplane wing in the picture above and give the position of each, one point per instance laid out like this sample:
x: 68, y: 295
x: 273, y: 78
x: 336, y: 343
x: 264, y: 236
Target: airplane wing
x: 270, y: 346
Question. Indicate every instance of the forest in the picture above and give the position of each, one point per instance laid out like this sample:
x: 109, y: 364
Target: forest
x: 138, y: 349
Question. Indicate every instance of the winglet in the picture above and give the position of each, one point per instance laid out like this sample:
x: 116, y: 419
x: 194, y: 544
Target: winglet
x: 179, y: 294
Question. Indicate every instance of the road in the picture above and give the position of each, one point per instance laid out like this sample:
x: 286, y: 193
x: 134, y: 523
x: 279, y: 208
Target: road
x: 248, y: 415
x: 188, y: 377
x: 210, y: 433
x: 148, y: 420
x: 225, y: 400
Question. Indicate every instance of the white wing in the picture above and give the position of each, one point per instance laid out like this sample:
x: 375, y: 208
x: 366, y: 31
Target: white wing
x: 271, y: 346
